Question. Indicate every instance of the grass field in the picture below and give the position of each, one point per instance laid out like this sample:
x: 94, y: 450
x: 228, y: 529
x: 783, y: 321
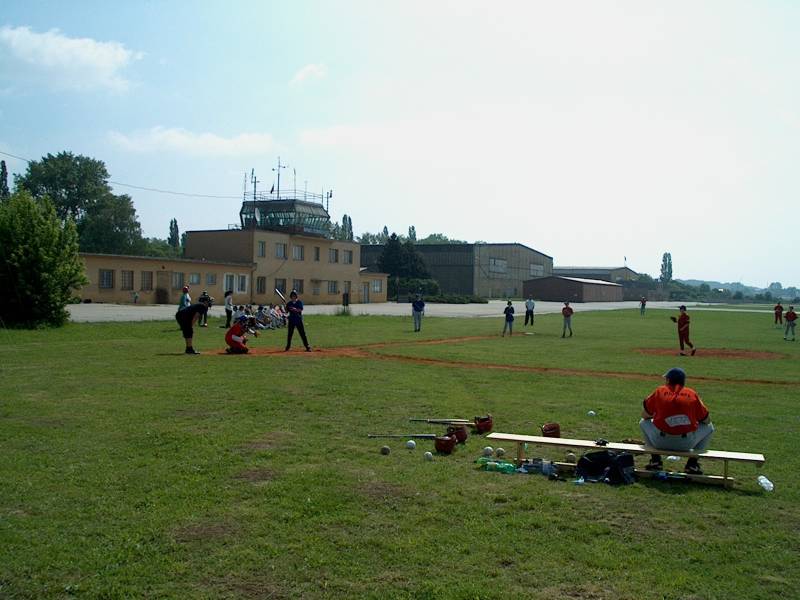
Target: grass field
x: 131, y: 470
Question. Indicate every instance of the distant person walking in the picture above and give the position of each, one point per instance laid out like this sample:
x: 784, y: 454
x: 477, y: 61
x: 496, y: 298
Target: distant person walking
x: 642, y: 305
x: 208, y: 300
x: 778, y: 314
x: 567, y: 313
x: 186, y: 299
x: 295, y: 309
x: 791, y: 317
x: 417, y: 310
x: 683, y: 330
x: 529, y: 306
x: 508, y: 324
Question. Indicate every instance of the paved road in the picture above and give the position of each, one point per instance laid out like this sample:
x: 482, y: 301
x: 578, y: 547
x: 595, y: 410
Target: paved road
x: 96, y: 313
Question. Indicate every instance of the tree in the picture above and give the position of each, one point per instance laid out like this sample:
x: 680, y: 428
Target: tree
x: 413, y: 262
x: 174, y: 238
x: 40, y: 267
x: 111, y: 227
x: 412, y: 233
x: 183, y: 243
x: 4, y: 193
x: 775, y: 286
x: 666, y: 267
x: 439, y: 238
x: 391, y: 259
x: 73, y: 183
x: 347, y: 228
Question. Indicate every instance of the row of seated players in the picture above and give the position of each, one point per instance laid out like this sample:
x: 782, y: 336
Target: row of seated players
x: 271, y: 317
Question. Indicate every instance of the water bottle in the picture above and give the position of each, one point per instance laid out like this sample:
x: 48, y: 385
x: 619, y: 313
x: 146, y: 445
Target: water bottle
x: 673, y: 458
x: 765, y: 483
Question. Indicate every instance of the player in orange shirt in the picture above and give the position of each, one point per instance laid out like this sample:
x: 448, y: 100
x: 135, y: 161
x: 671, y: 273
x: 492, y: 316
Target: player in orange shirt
x: 778, y: 314
x: 683, y: 330
x: 674, y: 418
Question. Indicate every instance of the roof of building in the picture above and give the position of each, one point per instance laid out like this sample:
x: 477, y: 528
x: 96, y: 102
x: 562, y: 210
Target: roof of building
x: 419, y: 245
x: 589, y: 269
x: 199, y: 261
x: 591, y: 281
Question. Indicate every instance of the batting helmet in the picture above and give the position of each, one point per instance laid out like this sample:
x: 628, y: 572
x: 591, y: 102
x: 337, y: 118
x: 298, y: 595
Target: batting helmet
x: 676, y: 376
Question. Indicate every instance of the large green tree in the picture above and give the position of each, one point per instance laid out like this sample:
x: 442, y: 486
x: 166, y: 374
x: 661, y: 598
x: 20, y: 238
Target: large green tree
x: 39, y: 264
x: 666, y: 267
x: 73, y: 183
x: 174, y: 238
x: 111, y: 227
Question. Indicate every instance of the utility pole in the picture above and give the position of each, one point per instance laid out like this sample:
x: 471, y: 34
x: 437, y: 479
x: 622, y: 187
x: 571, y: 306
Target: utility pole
x: 254, y: 181
x: 278, y: 169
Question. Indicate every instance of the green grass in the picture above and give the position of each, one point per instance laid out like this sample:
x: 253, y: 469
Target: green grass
x: 130, y: 470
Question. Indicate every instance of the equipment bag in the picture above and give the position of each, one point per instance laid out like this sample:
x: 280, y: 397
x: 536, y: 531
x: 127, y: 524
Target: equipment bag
x: 614, y: 468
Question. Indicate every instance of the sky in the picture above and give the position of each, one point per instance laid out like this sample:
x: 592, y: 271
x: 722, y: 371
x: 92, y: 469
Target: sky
x: 590, y: 131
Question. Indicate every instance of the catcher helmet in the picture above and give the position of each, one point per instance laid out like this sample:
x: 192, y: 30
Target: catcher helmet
x: 242, y: 319
x: 676, y: 376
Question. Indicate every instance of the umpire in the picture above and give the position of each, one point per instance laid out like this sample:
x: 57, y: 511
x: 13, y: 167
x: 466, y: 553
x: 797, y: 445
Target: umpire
x: 187, y: 317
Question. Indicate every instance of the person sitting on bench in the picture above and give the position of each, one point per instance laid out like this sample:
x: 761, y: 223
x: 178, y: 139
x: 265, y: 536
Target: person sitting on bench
x: 674, y: 418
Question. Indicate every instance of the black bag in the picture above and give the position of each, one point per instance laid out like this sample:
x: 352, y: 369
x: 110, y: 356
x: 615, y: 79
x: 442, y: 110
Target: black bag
x: 614, y: 468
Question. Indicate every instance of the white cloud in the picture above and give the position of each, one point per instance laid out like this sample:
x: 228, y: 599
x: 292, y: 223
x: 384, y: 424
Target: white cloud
x: 71, y: 63
x: 181, y: 141
x: 308, y: 73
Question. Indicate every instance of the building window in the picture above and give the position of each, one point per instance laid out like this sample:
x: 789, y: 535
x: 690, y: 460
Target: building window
x: 126, y: 280
x: 194, y: 279
x: 106, y: 279
x: 537, y: 270
x: 280, y: 285
x: 262, y: 249
x: 211, y: 279
x: 333, y: 255
x: 147, y: 281
x: 297, y: 285
x: 316, y: 253
x: 347, y: 257
x: 229, y: 281
x: 377, y: 285
x: 177, y: 281
x: 298, y: 252
x: 347, y: 286
x: 315, y: 287
x: 497, y: 265
x: 280, y: 251
x: 333, y: 287
x: 241, y: 284
x: 261, y: 285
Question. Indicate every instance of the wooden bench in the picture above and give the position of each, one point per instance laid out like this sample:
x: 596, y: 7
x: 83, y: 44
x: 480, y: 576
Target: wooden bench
x: 726, y: 457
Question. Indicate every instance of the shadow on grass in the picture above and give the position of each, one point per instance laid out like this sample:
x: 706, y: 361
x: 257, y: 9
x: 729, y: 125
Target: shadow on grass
x: 677, y: 487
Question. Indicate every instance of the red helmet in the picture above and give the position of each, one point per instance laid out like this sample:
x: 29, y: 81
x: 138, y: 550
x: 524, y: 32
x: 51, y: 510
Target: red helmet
x: 186, y: 289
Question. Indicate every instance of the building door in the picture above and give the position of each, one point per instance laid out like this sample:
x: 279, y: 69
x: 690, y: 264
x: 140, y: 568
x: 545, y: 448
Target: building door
x: 163, y: 283
x: 365, y: 293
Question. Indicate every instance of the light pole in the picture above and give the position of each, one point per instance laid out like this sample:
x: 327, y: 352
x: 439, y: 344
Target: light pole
x: 278, y: 170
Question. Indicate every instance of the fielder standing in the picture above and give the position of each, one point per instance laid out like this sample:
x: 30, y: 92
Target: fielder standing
x: 529, y: 306
x: 567, y: 312
x: 417, y: 310
x: 791, y: 317
x: 683, y: 330
x: 778, y: 314
x: 295, y: 309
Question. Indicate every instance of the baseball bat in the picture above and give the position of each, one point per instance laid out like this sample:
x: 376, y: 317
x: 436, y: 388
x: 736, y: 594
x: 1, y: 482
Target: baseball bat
x: 277, y: 291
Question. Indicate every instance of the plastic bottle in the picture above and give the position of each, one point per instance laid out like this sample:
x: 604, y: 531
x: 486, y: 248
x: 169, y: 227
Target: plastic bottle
x: 673, y: 458
x: 765, y: 483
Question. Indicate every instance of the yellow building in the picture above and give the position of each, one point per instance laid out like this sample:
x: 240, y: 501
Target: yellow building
x: 281, y: 245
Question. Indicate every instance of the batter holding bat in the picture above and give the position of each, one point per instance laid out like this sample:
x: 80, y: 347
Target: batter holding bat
x: 295, y: 309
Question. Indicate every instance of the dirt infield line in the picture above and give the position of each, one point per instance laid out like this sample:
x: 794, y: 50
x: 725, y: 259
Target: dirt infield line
x: 366, y: 351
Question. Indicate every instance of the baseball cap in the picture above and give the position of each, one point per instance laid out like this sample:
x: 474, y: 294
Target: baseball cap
x: 676, y: 375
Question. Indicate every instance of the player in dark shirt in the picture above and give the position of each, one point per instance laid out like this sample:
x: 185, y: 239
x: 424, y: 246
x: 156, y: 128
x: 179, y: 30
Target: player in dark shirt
x: 186, y: 318
x: 295, y: 309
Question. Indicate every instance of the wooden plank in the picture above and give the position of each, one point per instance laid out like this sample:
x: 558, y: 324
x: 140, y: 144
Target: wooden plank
x: 758, y: 459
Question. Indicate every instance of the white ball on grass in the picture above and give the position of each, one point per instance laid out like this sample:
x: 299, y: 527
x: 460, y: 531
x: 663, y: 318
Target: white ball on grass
x: 488, y: 451
x: 499, y: 452
x: 411, y: 444
x: 428, y: 456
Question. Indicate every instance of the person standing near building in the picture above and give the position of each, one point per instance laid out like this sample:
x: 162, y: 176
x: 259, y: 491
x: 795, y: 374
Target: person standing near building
x: 529, y: 306
x: 642, y: 305
x: 295, y: 309
x: 567, y: 313
x: 228, y: 308
x: 683, y: 330
x: 204, y: 297
x: 791, y: 317
x: 186, y: 318
x: 186, y: 299
x: 778, y: 314
x: 417, y: 310
x: 508, y: 324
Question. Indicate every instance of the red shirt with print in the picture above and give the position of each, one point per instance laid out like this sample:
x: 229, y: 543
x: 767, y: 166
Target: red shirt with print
x: 676, y: 410
x: 567, y: 311
x: 790, y: 315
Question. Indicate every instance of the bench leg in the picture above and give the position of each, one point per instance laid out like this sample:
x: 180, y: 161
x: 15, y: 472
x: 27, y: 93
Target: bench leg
x: 728, y: 481
x: 520, y: 453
